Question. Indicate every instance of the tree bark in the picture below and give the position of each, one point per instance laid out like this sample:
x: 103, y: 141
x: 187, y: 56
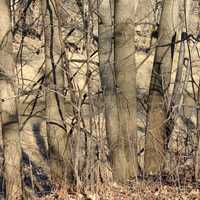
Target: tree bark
x: 182, y: 73
x: 9, y: 113
x: 156, y: 133
x: 197, y: 156
x: 107, y: 75
x: 54, y: 72
x: 125, y: 69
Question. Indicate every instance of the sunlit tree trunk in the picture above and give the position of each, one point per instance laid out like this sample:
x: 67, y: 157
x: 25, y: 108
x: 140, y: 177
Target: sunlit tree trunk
x: 156, y: 134
x: 9, y: 113
x: 56, y: 127
x: 107, y: 74
x: 182, y: 73
x: 125, y: 69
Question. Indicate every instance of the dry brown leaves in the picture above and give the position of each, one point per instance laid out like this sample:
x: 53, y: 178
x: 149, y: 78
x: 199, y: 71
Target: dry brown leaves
x: 142, y: 190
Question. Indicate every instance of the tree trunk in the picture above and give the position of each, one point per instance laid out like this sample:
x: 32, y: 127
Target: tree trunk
x: 197, y: 156
x: 56, y: 127
x: 156, y: 134
x: 125, y: 69
x: 181, y: 73
x: 9, y: 114
x: 107, y: 75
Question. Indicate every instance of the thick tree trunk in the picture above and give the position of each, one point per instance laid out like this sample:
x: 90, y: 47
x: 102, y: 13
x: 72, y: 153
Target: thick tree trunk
x: 124, y: 62
x: 107, y: 75
x: 56, y: 128
x: 156, y: 134
x: 9, y: 114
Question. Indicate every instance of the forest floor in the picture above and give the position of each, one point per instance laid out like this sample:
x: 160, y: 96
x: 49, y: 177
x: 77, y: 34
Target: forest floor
x: 133, y: 190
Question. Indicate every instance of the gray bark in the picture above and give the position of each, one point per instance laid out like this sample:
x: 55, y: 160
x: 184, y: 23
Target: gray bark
x: 125, y: 69
x: 9, y: 113
x: 107, y: 75
x: 156, y: 135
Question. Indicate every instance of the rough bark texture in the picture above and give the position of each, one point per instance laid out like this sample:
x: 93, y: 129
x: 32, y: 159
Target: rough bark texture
x: 56, y: 128
x: 124, y: 62
x: 107, y: 75
x: 158, y: 93
x: 9, y: 114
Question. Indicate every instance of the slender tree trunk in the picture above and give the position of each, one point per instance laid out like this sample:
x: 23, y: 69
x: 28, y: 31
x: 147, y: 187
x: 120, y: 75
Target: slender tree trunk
x: 56, y: 127
x: 9, y: 114
x: 197, y: 157
x: 125, y: 68
x: 156, y: 134
x: 182, y: 73
x: 177, y: 93
x: 107, y: 75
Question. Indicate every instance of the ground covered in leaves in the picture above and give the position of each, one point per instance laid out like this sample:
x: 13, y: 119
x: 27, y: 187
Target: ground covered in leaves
x: 133, y: 190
